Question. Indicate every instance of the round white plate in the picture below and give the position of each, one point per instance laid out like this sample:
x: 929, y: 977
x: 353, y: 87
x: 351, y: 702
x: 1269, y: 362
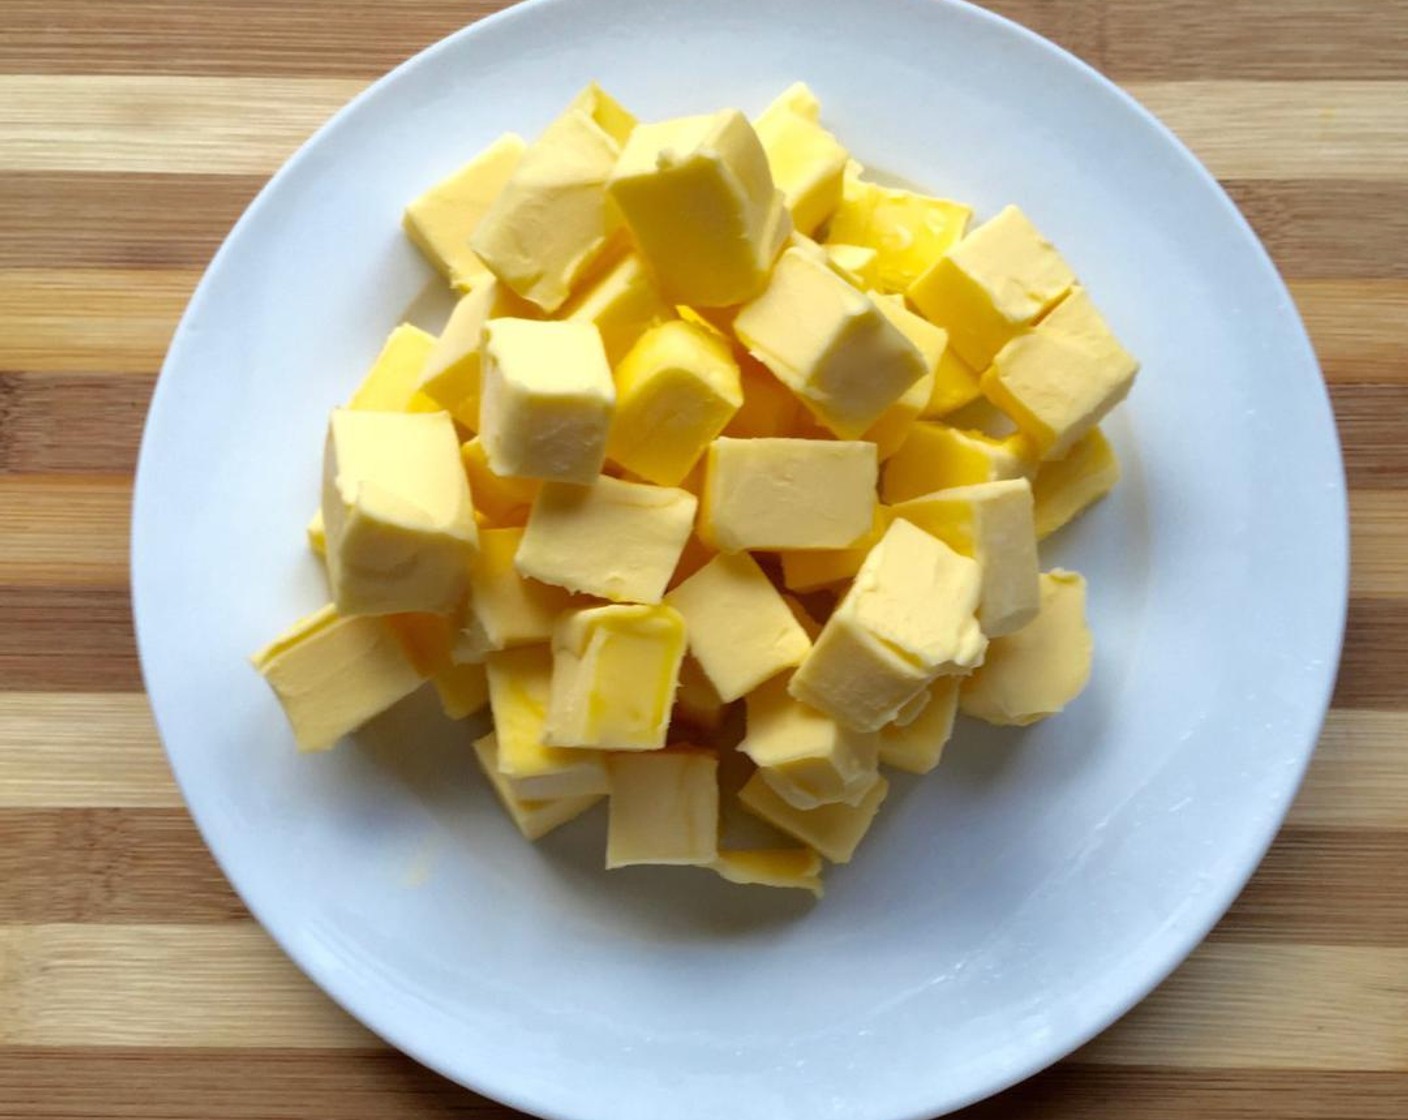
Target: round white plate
x: 1002, y: 911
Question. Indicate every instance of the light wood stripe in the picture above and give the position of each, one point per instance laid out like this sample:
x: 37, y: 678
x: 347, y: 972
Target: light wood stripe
x: 64, y: 530
x: 1360, y: 328
x: 166, y: 124
x: 1378, y: 522
x: 1357, y: 778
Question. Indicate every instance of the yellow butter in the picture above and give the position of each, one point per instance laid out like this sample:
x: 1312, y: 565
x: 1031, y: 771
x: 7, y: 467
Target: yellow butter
x: 332, y: 674
x: 505, y: 607
x: 551, y: 219
x: 797, y: 868
x: 614, y: 539
x: 676, y: 389
x: 810, y: 626
x: 769, y: 410
x: 426, y: 638
x: 697, y: 701
x: 440, y: 222
x: 317, y: 533
x: 547, y: 400
x: 503, y: 500
x: 917, y: 745
x: 741, y: 630
x: 400, y: 525
x: 797, y: 98
x: 811, y: 569
x: 700, y: 203
x: 622, y: 303
x: 999, y: 279
x: 1065, y: 488
x: 1037, y: 671
x: 858, y: 264
x: 787, y: 493
x: 805, y: 159
x: 463, y: 690
x: 936, y: 457
x: 534, y: 818
x: 664, y: 809
x: 393, y: 382
x: 833, y: 830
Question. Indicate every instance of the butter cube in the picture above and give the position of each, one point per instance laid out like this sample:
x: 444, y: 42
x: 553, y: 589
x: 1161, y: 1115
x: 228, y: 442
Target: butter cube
x: 614, y: 675
x: 787, y: 493
x: 504, y: 501
x: 548, y: 398
x: 400, y: 526
x: 440, y: 222
x: 907, y: 231
x: 806, y: 757
x: 332, y: 674
x: 897, y: 422
x: 700, y: 202
x: 614, y: 539
x: 951, y: 383
x: 798, y: 868
x: 806, y: 162
x: 695, y: 555
x: 676, y: 389
x: 392, y: 384
x: 999, y: 279
x: 463, y: 690
x: 623, y: 303
x: 317, y: 534
x: 810, y: 626
x: 993, y: 523
x: 1037, y: 671
x: 427, y: 639
x: 740, y: 629
x: 907, y: 618
x: 1065, y: 488
x: 535, y: 819
x: 829, y: 343
x: 1058, y: 382
x: 858, y: 264
x: 937, y: 457
x: 505, y: 607
x: 520, y: 684
x: 811, y: 569
x: 770, y: 409
x: 664, y: 809
x: 797, y: 98
x: 551, y: 219
x: 451, y: 374
x: 833, y: 830
x: 917, y: 745
x: 697, y: 701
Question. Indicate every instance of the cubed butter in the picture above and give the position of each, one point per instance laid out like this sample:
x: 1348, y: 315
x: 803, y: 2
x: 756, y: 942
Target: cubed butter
x: 317, y: 533
x: 984, y: 290
x: 426, y: 638
x: 615, y: 670
x: 798, y: 868
x: 400, y: 524
x: 548, y: 399
x: 332, y: 674
x: 463, y: 690
x: 535, y: 819
x: 505, y: 608
x: 614, y: 539
x: 551, y: 219
x: 917, y: 745
x: 697, y: 701
x: 811, y: 569
x: 664, y: 809
x: 1065, y: 488
x: 834, y: 830
x: 741, y: 630
x: 1037, y: 671
x: 806, y: 162
x: 787, y: 493
x: 700, y: 202
x: 440, y: 222
x: 622, y: 303
x: 393, y: 382
x: 770, y: 409
x: 502, y: 500
x: 676, y: 389
x: 858, y: 264
x: 937, y: 457
x: 829, y: 343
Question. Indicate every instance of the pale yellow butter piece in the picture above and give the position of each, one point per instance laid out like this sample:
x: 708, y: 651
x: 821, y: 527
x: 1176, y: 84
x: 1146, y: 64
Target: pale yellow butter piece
x: 916, y: 745
x: 700, y: 202
x: 770, y: 409
x: 999, y: 279
x: 992, y: 522
x: 858, y: 264
x: 623, y: 303
x: 810, y: 626
x: 806, y: 161
x: 797, y: 98
x: 535, y: 819
x: 908, y: 617
x: 547, y: 400
x: 502, y: 500
x: 664, y: 809
x: 697, y: 701
x: 895, y: 425
x: 1037, y: 671
x: 317, y: 533
x: 676, y: 389
x: 829, y: 343
x: 1065, y: 488
x: 332, y: 674
x: 399, y: 521
x: 615, y: 670
x: 463, y: 690
x: 393, y: 382
x: 797, y: 868
x: 951, y: 384
x: 741, y: 630
x: 811, y: 569
x: 833, y: 830
x: 937, y: 457
x: 505, y: 607
x: 551, y: 219
x: 426, y: 639
x: 787, y: 493
x: 614, y: 539
x: 440, y: 222
x: 519, y: 685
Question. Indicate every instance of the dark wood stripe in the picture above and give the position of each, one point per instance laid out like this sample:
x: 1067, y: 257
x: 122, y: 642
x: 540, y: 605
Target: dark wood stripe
x: 72, y: 423
x: 67, y: 640
x: 1316, y: 228
x: 1373, y: 424
x: 1375, y: 653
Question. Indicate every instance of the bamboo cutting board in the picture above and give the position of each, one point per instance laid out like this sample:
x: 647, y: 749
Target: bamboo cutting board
x: 133, y: 983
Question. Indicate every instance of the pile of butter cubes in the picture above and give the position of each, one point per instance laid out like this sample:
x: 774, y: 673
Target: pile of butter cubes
x: 721, y: 487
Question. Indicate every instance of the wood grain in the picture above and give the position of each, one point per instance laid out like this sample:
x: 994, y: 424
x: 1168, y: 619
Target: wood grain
x: 88, y: 424
x: 1379, y: 543
x: 64, y: 531
x: 66, y: 639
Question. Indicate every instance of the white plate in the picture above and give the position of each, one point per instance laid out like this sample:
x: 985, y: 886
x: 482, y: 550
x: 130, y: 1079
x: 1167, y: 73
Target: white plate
x: 1004, y: 910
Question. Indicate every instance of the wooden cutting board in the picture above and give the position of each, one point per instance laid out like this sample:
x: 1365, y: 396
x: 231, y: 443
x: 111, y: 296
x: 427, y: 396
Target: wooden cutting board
x: 133, y: 983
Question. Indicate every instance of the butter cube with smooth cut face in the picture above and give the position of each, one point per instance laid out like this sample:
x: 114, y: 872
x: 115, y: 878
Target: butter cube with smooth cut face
x: 441, y: 221
x: 534, y: 818
x: 998, y: 280
x: 1065, y: 488
x: 463, y: 690
x: 908, y: 617
x: 993, y: 523
x: 937, y: 457
x: 858, y: 264
x: 614, y: 675
x: 676, y: 389
x: 700, y: 203
x: 614, y: 539
x: 333, y: 674
x: 502, y: 500
x: 810, y: 569
x: 505, y: 607
x: 1037, y: 671
x: 797, y: 868
x: 806, y: 161
x: 697, y: 701
x: 741, y: 630
x: 551, y: 219
x: 787, y: 493
x: 829, y: 343
x: 952, y: 384
x: 623, y: 302
x: 770, y: 409
x: 664, y: 809
x: 834, y: 830
x: 917, y: 746
x: 393, y: 382
x: 400, y: 523
x: 548, y: 399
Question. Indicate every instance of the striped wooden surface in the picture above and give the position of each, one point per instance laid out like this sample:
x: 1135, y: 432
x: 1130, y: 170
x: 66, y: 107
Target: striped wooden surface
x: 132, y: 982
